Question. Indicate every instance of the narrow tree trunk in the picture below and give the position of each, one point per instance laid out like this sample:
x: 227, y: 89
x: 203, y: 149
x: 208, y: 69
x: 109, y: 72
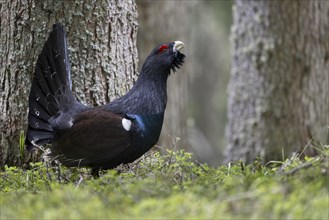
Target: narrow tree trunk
x: 161, y: 22
x: 278, y: 93
x: 103, y: 55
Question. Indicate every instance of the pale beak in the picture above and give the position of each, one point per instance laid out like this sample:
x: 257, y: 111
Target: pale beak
x: 178, y: 45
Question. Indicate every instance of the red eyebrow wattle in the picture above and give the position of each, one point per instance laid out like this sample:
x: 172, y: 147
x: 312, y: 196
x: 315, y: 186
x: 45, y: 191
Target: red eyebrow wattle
x: 163, y: 47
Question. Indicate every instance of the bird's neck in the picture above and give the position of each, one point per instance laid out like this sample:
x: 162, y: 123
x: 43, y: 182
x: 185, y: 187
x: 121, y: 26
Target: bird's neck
x: 151, y: 92
x: 152, y: 74
x: 147, y: 97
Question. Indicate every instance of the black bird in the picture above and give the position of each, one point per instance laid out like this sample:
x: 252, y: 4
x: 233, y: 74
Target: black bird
x: 99, y: 137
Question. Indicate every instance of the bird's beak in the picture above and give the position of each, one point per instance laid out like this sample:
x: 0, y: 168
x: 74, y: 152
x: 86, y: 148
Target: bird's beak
x: 178, y: 45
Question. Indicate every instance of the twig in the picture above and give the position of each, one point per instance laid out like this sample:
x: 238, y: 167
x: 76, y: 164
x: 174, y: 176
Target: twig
x: 296, y: 169
x: 200, y: 165
x: 307, y: 145
x: 80, y: 181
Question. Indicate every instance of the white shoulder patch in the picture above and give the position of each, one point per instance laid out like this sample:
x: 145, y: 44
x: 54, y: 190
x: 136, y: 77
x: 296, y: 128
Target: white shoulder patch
x: 71, y: 123
x: 126, y: 123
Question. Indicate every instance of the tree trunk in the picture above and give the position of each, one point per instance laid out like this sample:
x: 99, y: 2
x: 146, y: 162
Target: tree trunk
x: 278, y: 93
x: 103, y: 55
x: 162, y: 22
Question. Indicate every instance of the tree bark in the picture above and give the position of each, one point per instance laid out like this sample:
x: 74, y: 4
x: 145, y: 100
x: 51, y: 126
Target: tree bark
x: 278, y: 92
x: 162, y: 22
x: 103, y: 55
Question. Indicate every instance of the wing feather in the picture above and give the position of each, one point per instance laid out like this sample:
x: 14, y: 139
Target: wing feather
x: 96, y: 138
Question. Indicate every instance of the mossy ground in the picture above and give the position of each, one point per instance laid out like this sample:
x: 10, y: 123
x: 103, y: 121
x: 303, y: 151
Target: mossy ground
x: 171, y: 185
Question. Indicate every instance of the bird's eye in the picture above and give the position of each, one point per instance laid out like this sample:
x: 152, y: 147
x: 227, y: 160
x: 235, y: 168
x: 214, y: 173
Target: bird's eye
x: 163, y: 48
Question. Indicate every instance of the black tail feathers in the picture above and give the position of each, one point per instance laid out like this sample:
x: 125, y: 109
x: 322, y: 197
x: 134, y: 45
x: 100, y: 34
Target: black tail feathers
x: 51, y: 88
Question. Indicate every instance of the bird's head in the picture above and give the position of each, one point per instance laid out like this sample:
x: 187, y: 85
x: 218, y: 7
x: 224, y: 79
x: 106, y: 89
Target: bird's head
x: 166, y: 57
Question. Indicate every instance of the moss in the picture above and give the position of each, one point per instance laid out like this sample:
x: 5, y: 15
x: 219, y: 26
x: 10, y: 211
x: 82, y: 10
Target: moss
x: 170, y: 185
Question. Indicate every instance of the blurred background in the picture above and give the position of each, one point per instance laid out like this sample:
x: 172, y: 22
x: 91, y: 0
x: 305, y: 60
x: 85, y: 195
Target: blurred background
x: 196, y: 111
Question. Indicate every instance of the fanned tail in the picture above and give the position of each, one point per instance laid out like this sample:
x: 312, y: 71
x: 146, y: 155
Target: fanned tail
x: 51, y: 88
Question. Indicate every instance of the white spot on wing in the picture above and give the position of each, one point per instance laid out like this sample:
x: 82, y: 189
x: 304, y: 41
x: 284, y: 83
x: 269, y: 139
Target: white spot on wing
x: 126, y: 123
x: 71, y: 123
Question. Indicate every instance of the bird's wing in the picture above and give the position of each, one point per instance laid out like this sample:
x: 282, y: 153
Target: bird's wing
x: 97, y: 138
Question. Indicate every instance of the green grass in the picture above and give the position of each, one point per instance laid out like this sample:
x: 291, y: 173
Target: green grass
x: 170, y: 186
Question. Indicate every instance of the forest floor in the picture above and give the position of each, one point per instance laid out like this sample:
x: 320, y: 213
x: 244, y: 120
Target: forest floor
x: 170, y: 185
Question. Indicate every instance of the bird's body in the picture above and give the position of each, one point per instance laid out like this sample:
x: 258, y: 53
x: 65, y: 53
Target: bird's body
x: 104, y: 136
